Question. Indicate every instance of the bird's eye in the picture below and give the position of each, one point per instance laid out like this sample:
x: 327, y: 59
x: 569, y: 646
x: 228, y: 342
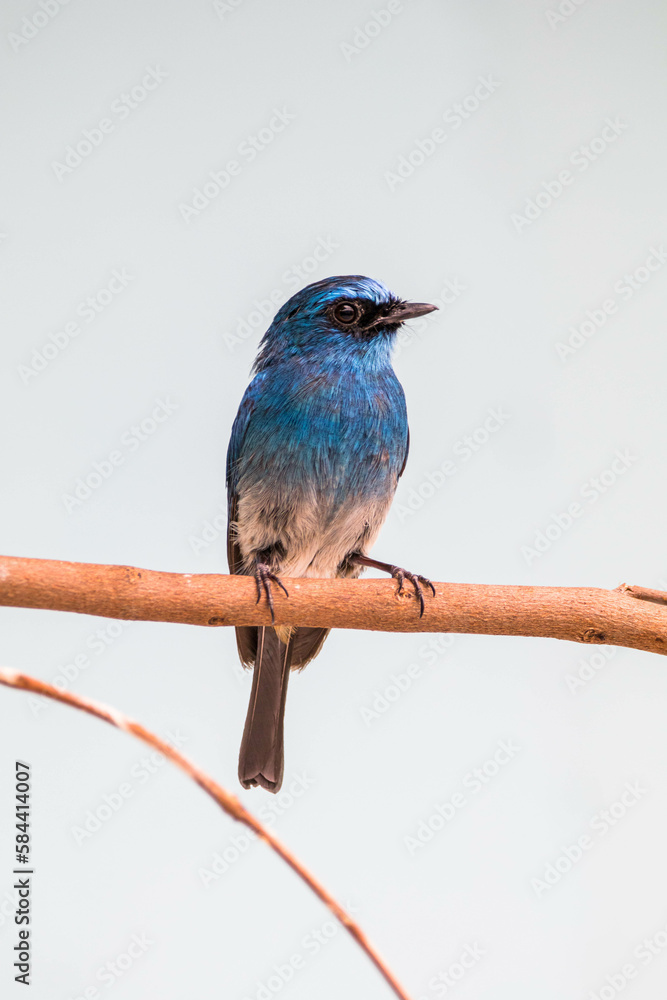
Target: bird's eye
x: 346, y: 313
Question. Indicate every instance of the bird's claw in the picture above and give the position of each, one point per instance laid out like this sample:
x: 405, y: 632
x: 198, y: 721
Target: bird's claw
x: 264, y: 577
x: 417, y: 580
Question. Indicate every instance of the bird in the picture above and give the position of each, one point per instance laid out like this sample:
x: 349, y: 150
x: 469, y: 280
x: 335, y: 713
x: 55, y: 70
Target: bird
x: 318, y: 445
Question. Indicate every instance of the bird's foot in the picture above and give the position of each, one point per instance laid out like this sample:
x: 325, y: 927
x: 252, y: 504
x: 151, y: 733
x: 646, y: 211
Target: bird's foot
x: 264, y: 577
x: 418, y: 582
x: 401, y: 575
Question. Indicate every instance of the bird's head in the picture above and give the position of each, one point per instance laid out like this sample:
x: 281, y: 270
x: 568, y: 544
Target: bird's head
x: 350, y: 312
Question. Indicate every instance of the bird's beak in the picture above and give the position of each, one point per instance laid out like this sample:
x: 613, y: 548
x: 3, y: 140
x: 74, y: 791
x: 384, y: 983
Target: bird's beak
x: 403, y: 311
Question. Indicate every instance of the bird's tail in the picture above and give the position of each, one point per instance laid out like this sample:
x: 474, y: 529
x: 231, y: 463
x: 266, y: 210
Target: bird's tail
x: 261, y: 756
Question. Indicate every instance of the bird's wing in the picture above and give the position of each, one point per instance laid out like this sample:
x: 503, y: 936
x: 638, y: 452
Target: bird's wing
x: 234, y: 451
x: 407, y: 449
x: 246, y: 636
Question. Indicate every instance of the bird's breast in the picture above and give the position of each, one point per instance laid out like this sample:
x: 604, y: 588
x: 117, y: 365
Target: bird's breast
x: 325, y: 437
x: 319, y: 468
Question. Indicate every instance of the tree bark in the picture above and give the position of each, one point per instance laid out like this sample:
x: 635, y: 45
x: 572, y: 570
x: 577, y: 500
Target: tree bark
x: 628, y: 616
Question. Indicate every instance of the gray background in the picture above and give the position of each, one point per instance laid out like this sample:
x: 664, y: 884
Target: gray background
x: 365, y: 783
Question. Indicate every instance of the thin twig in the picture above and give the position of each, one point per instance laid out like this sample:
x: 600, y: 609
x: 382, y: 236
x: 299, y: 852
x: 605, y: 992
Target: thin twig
x: 644, y: 593
x: 580, y: 614
x: 229, y: 803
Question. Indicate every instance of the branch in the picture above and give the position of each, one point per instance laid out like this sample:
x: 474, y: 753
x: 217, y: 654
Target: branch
x: 644, y: 593
x: 228, y: 803
x: 627, y: 616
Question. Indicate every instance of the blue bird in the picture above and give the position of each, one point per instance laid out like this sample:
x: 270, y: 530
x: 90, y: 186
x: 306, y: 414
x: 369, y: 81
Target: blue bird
x: 317, y: 447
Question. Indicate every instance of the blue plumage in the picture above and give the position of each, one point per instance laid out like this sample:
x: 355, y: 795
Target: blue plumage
x: 317, y: 448
x: 324, y: 408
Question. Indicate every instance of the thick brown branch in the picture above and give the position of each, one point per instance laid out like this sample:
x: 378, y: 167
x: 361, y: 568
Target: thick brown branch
x: 229, y: 803
x: 580, y: 614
